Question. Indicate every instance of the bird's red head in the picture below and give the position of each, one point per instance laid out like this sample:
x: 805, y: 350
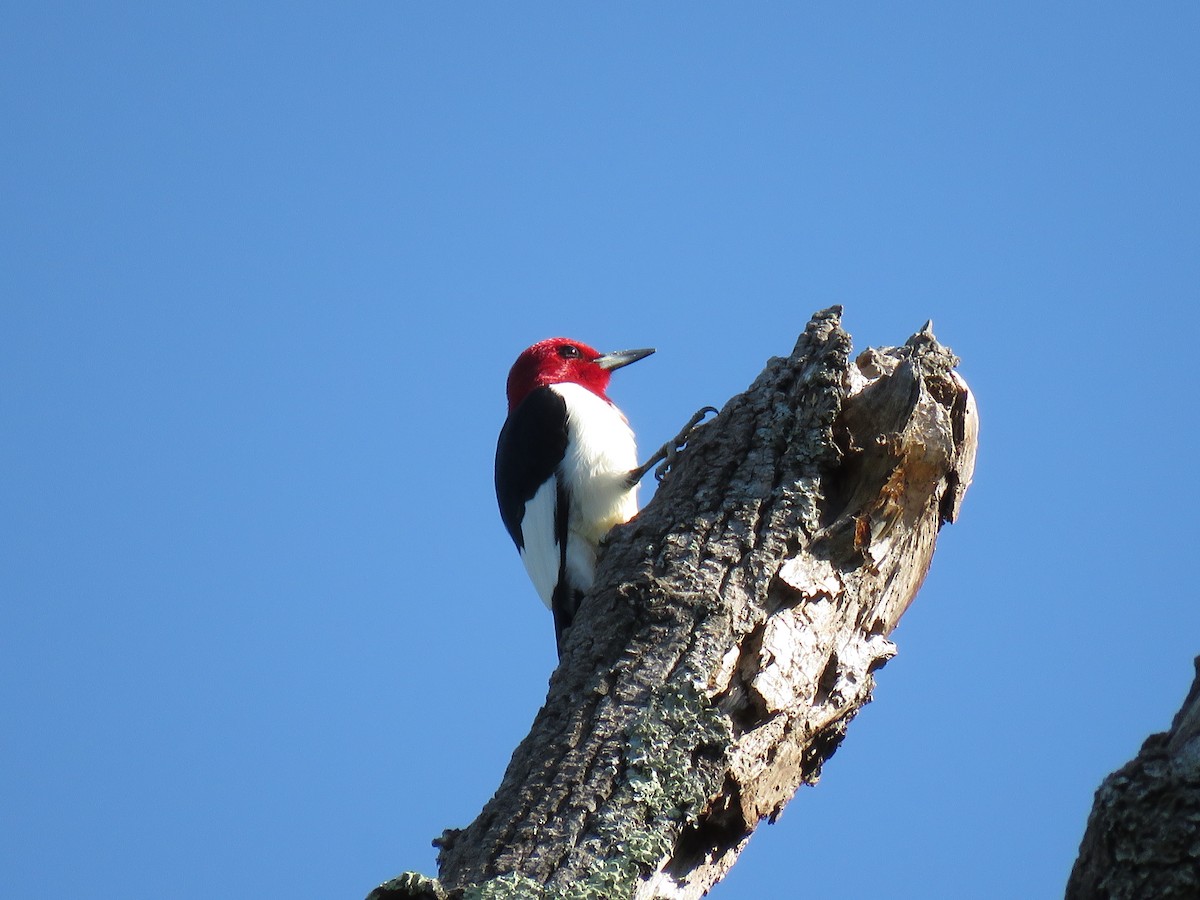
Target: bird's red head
x: 560, y: 361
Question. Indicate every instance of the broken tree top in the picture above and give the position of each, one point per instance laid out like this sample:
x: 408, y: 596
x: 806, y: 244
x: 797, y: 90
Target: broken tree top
x: 733, y: 629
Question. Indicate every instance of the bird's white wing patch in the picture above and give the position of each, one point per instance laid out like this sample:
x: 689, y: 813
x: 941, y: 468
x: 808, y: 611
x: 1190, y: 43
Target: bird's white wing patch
x: 541, y: 553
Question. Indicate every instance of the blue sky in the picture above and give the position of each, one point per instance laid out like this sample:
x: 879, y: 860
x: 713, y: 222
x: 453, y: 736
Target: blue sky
x: 265, y: 270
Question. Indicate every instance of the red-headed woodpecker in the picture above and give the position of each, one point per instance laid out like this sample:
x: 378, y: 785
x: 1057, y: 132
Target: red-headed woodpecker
x: 566, y: 467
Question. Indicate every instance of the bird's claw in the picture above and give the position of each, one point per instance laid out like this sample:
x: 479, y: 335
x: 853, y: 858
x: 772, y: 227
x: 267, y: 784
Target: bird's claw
x: 670, y: 450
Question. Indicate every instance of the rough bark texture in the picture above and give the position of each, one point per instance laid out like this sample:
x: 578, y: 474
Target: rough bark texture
x: 1143, y: 836
x: 733, y: 630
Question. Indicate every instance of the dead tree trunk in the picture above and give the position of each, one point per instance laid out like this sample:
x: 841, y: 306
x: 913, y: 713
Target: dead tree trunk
x: 732, y: 632
x: 1143, y: 835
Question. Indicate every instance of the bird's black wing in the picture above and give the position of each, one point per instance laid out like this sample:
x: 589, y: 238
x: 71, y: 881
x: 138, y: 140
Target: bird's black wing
x: 531, y: 446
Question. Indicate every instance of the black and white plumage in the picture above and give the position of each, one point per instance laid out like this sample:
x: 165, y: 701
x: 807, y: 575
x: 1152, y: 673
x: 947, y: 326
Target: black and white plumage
x: 566, y: 467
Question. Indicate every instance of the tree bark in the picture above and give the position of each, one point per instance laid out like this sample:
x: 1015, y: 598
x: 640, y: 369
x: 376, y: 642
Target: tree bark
x: 1143, y: 835
x: 732, y: 632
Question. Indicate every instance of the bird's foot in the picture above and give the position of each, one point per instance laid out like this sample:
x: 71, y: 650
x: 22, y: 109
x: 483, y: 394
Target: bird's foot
x: 666, y: 455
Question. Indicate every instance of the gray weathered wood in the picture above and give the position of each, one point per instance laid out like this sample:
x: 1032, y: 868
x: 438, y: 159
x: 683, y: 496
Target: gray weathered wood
x: 733, y: 630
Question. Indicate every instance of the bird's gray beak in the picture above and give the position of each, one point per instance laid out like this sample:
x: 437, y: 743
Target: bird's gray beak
x: 620, y: 358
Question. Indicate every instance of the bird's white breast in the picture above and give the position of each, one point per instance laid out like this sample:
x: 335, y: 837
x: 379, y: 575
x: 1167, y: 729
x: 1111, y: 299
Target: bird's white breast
x: 601, y: 453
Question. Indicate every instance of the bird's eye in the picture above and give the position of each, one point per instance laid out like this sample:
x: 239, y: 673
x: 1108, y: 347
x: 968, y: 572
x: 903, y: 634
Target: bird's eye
x: 569, y: 351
